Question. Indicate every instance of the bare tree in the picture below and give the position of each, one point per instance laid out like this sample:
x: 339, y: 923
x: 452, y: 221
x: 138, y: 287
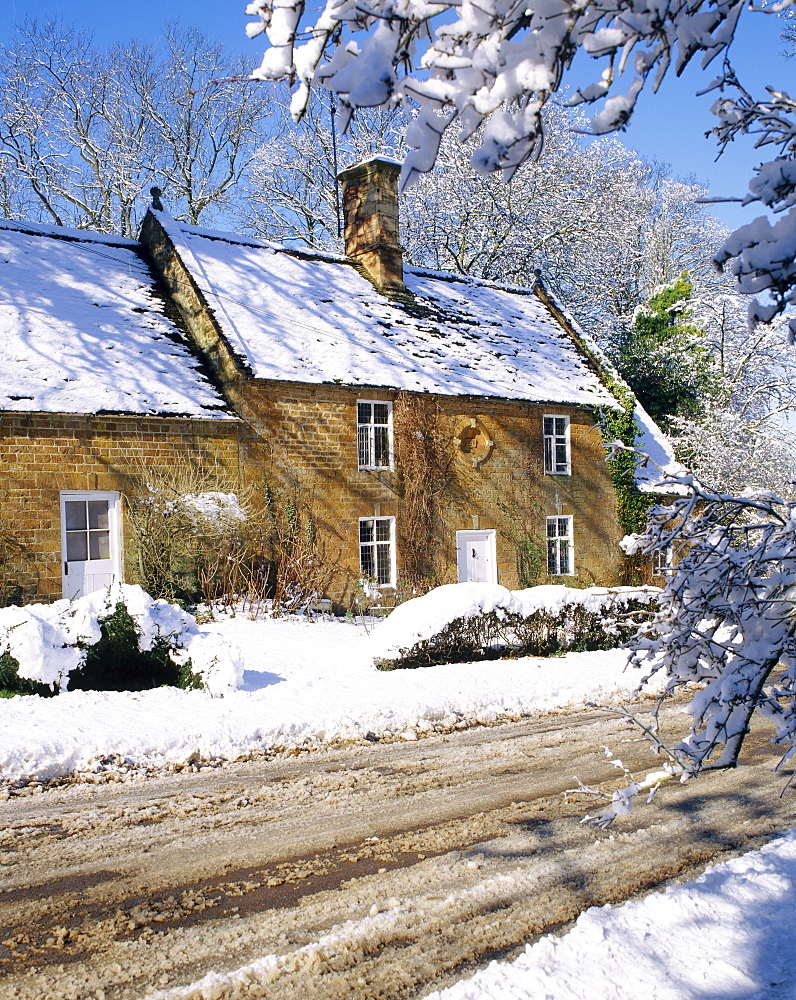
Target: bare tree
x: 291, y: 194
x: 732, y: 454
x: 84, y: 132
x: 207, y: 120
x: 741, y: 441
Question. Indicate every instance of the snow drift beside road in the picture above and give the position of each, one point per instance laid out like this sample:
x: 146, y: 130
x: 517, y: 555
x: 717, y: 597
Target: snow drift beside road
x: 306, y: 683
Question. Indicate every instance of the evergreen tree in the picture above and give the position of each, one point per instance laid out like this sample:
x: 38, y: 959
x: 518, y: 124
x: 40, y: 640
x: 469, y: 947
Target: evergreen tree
x: 663, y: 357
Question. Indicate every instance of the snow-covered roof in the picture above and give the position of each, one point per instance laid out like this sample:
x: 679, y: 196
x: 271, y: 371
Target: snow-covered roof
x: 314, y: 318
x: 83, y: 329
x: 652, y: 476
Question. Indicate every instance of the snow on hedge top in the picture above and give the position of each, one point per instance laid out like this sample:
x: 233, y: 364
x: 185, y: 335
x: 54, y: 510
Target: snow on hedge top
x: 84, y: 331
x: 314, y: 318
x: 49, y: 641
x: 423, y: 617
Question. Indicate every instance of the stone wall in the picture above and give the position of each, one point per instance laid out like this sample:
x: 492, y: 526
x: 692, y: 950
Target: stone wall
x: 42, y: 454
x: 309, y: 456
x: 311, y: 453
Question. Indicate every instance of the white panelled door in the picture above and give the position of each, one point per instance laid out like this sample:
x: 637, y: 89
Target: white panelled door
x: 90, y: 541
x: 475, y: 556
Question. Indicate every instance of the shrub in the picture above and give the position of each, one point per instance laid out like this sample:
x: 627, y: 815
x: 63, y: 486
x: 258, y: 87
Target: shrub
x: 11, y: 683
x: 299, y: 567
x: 119, y: 639
x: 117, y: 663
x: 580, y: 621
x: 201, y: 536
x: 195, y: 528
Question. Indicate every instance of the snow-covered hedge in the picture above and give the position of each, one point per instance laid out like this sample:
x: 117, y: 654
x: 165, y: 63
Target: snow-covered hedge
x: 469, y: 621
x: 51, y: 641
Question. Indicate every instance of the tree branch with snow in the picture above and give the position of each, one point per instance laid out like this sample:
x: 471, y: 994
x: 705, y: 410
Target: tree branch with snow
x: 490, y: 68
x: 726, y: 617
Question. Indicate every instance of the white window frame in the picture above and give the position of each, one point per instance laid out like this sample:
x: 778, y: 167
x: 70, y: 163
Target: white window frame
x: 372, y: 545
x: 366, y: 436
x: 559, y: 542
x: 553, y: 440
x: 663, y: 561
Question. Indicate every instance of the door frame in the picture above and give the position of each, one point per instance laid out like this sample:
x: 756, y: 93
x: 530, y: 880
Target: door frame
x: 114, y: 525
x: 465, y: 537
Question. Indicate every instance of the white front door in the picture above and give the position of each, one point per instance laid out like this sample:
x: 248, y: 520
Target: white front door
x: 475, y: 556
x: 90, y: 549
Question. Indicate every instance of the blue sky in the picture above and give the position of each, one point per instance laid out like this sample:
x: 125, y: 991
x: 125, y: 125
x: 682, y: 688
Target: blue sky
x: 669, y: 126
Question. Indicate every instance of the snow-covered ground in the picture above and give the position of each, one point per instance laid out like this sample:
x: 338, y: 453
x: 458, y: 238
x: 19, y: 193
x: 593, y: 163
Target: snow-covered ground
x: 728, y: 935
x: 306, y: 683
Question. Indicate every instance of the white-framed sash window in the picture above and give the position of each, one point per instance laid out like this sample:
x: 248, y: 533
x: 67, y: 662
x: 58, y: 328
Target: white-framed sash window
x: 557, y: 452
x: 374, y: 434
x: 377, y: 549
x: 560, y: 546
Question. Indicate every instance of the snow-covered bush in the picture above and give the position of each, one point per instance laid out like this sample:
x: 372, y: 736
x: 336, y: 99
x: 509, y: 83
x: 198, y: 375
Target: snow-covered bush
x: 463, y: 622
x: 118, y: 639
x: 194, y: 536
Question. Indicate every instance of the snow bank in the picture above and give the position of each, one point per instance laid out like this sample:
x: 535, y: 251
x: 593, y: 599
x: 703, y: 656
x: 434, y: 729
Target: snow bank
x: 48, y: 641
x: 423, y: 617
x: 554, y: 598
x: 306, y: 683
x: 659, y: 946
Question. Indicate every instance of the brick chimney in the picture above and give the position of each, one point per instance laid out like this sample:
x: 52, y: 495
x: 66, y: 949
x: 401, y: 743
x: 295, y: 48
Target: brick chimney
x: 370, y: 208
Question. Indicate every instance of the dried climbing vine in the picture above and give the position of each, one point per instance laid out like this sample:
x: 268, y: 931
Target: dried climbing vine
x: 521, y: 502
x: 423, y: 458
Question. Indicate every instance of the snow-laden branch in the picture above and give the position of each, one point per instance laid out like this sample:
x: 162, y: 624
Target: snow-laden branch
x: 490, y: 68
x: 726, y: 616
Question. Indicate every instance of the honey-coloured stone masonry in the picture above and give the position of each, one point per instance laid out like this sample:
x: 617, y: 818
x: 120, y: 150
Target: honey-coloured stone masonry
x: 311, y: 451
x: 42, y: 454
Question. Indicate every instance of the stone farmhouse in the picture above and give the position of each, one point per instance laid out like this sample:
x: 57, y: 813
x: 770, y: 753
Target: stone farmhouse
x: 433, y: 427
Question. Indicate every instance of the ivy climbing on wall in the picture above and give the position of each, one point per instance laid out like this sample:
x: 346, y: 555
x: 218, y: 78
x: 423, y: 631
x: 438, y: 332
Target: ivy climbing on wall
x: 631, y: 504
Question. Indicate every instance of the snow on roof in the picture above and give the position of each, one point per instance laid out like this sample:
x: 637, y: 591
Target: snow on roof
x: 651, y: 477
x: 314, y: 318
x: 84, y: 330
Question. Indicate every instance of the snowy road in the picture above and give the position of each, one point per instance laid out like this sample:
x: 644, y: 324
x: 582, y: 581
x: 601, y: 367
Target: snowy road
x: 373, y: 872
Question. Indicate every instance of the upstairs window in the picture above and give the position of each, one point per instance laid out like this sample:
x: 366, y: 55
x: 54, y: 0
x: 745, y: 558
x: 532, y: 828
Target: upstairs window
x: 560, y: 548
x: 556, y: 446
x: 374, y: 434
x: 377, y: 549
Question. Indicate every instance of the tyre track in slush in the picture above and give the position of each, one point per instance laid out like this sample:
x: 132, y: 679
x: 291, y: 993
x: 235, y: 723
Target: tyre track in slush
x: 375, y: 871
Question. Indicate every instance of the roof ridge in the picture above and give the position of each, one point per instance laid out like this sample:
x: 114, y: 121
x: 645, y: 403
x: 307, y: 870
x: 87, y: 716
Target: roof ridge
x: 67, y: 233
